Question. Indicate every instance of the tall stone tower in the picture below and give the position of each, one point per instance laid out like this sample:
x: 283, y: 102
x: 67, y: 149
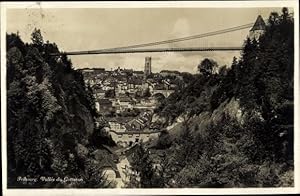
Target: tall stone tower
x: 258, y: 28
x: 147, y: 71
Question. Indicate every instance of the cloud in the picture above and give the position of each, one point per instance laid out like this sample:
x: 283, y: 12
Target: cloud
x: 174, y: 61
x: 181, y: 28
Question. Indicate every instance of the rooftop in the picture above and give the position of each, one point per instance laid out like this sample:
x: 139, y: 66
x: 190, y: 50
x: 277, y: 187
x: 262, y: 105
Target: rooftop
x: 104, y: 158
x: 104, y: 101
x: 138, y: 72
x: 120, y: 119
x: 125, y: 99
x: 259, y: 24
x: 135, y: 81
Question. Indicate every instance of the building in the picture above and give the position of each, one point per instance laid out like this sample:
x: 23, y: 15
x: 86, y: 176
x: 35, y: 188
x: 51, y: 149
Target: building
x: 103, y: 105
x: 99, y: 93
x: 147, y: 71
x: 258, y: 28
x: 134, y: 83
x: 116, y: 126
x: 129, y: 138
x: 136, y: 125
x: 165, y: 73
x: 139, y: 74
x: 125, y: 102
x: 148, y: 102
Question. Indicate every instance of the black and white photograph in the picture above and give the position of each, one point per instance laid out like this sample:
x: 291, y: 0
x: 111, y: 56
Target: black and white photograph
x: 154, y: 96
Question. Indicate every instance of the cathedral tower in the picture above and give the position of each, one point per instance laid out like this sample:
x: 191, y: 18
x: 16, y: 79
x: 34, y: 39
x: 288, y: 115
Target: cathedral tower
x: 147, y: 71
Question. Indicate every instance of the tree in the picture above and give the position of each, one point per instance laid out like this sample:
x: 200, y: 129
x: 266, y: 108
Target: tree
x: 207, y: 67
x: 50, y: 112
x: 223, y: 70
x: 274, y: 18
x: 285, y: 11
x: 36, y: 37
x: 164, y: 141
x: 143, y: 166
x: 100, y: 137
x: 255, y: 149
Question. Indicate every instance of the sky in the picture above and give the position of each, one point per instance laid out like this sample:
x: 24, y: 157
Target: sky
x: 74, y: 29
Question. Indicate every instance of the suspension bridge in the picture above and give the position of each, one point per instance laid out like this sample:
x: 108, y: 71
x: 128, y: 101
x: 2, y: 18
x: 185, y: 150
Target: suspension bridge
x: 140, y: 48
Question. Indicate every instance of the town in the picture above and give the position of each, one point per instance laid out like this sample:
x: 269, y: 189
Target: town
x: 126, y: 99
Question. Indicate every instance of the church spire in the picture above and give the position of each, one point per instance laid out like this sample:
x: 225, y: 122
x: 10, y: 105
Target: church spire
x: 258, y: 28
x: 259, y: 24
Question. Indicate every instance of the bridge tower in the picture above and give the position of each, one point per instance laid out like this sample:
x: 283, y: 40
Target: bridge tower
x: 258, y: 28
x: 147, y: 71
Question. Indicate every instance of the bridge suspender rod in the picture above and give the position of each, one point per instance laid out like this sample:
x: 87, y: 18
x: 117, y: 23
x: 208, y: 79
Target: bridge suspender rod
x: 118, y: 49
x: 185, y: 38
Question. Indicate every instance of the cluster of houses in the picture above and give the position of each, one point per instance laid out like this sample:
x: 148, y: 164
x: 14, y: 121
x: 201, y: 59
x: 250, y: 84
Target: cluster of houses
x: 109, y: 106
x: 126, y: 99
x: 127, y: 132
x: 122, y: 89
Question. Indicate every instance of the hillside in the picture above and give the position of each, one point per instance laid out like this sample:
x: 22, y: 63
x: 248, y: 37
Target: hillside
x: 50, y: 117
x: 237, y: 124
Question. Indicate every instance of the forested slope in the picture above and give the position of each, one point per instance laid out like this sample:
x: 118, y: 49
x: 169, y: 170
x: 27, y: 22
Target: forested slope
x: 50, y: 117
x: 238, y: 123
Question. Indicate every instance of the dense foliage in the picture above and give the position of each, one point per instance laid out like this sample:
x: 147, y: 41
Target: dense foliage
x: 144, y: 175
x: 50, y: 116
x: 255, y: 149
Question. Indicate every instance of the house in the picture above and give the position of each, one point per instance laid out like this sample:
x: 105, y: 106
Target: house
x: 103, y: 105
x: 116, y: 126
x: 159, y: 87
x: 107, y: 87
x: 99, y: 93
x: 147, y: 102
x: 134, y: 83
x: 139, y: 123
x: 122, y: 87
x: 169, y: 73
x: 136, y: 124
x: 129, y: 138
x: 138, y: 73
x: 128, y: 72
x: 117, y: 108
x: 125, y: 102
x: 105, y: 160
x: 91, y: 82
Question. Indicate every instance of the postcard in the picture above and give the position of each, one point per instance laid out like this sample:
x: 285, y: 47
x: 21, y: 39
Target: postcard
x: 150, y: 98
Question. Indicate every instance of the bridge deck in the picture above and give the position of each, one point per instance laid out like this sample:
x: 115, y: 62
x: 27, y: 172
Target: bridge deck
x: 146, y: 50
